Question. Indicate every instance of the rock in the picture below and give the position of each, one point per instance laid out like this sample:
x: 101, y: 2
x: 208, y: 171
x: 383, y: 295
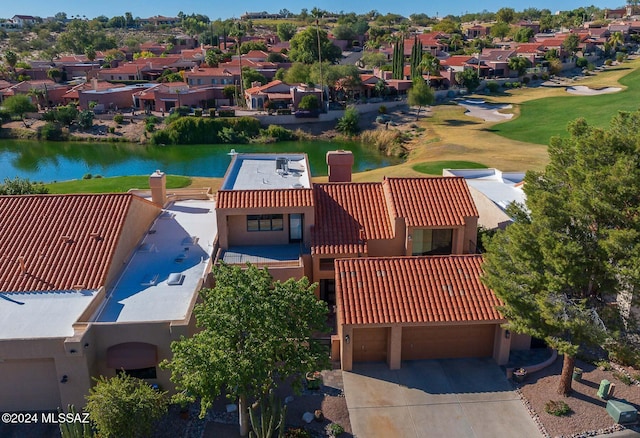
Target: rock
x: 308, y: 417
x: 232, y: 408
x: 288, y: 399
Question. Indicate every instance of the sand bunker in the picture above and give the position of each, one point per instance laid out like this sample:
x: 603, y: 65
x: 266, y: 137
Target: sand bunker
x: 581, y: 90
x: 485, y: 111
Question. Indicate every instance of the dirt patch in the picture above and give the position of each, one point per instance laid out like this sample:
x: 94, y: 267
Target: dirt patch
x: 588, y: 411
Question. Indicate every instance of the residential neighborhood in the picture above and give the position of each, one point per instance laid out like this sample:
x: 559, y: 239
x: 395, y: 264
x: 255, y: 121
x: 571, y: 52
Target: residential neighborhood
x: 347, y: 224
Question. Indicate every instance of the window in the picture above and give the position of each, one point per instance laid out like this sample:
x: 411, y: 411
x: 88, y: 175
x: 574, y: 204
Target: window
x: 327, y: 264
x: 265, y: 222
x: 213, y: 81
x: 141, y: 373
x: 432, y: 242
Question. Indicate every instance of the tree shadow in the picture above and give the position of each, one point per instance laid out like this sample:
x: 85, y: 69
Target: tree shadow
x: 454, y: 122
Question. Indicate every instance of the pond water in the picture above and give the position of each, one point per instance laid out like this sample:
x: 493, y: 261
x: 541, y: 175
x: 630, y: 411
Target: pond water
x: 60, y: 161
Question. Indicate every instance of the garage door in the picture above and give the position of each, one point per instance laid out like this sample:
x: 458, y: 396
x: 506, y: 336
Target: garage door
x: 33, y: 385
x: 447, y: 342
x: 370, y: 344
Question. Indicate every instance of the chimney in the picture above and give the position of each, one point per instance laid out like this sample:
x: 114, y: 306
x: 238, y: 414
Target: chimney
x: 339, y: 163
x: 158, y: 185
x: 94, y: 83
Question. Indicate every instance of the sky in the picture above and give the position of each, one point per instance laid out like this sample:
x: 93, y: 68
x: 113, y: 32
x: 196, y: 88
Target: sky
x: 231, y: 9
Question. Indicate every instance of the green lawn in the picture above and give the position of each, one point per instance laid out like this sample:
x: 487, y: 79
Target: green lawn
x: 116, y: 184
x: 435, y: 167
x: 541, y: 119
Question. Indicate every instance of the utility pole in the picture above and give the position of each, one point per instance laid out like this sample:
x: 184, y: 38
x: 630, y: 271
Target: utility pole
x: 320, y: 60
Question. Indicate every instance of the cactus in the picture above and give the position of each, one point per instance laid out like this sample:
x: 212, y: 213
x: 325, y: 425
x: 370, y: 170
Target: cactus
x: 76, y: 429
x: 270, y: 412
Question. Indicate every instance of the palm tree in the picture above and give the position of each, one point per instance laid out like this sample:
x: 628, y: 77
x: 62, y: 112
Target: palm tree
x: 455, y: 40
x: 616, y: 39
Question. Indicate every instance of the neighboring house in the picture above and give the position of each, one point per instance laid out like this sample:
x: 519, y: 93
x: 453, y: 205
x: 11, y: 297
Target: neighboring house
x: 492, y: 191
x: 498, y: 61
x: 73, y: 95
x: 213, y: 76
x: 124, y: 72
x: 21, y: 21
x: 113, y: 98
x: 50, y: 93
x: 93, y: 285
x: 160, y: 20
x: 277, y: 92
x: 164, y: 97
x: 477, y: 31
x: 534, y: 52
x: 378, y: 251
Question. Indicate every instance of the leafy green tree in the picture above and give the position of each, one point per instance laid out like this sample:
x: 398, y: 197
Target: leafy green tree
x: 506, y: 15
x: 523, y: 34
x: 570, y: 43
x: 500, y: 30
x: 21, y: 186
x: 468, y: 78
x: 304, y: 47
x: 446, y: 25
x: 11, y: 59
x: 420, y: 94
x: 343, y: 32
x: 85, y: 119
x: 54, y: 74
x: 309, y: 102
x: 250, y: 76
x: 19, y: 105
x: 348, y: 124
x: 286, y: 31
x: 248, y: 46
x: 576, y: 245
x: 123, y: 406
x: 254, y: 333
x: 229, y: 92
x: 519, y: 64
x: 374, y: 59
x: 298, y: 73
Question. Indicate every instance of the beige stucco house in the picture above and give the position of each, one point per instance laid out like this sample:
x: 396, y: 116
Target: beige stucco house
x: 94, y: 285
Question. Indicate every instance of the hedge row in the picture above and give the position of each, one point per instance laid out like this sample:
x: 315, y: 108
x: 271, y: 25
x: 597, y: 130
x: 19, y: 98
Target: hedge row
x: 197, y: 130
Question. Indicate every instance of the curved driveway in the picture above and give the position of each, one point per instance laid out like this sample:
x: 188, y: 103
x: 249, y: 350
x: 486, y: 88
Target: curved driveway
x: 435, y: 398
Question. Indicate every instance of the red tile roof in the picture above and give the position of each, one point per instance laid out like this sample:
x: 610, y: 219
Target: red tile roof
x: 413, y: 290
x: 265, y: 198
x: 59, y: 242
x: 342, y: 210
x: 430, y: 202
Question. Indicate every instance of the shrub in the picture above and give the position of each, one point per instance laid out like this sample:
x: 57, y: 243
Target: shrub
x: 151, y: 119
x: 382, y: 109
x: 227, y: 113
x: 624, y: 378
x: 85, y: 119
x: 149, y: 127
x: 51, y: 131
x: 604, y: 365
x: 608, y: 62
x: 87, y: 176
x: 118, y: 118
x: 309, y: 102
x: 197, y: 112
x: 348, y: 124
x: 283, y: 112
x: 183, y: 110
x: 545, y: 76
x: 624, y: 354
x: 194, y: 130
x: 335, y: 429
x: 212, y: 112
x: 112, y: 129
x: 581, y: 62
x: 526, y: 80
x: 278, y: 133
x: 621, y: 56
x: 557, y: 408
x: 493, y: 86
x: 297, y: 433
x: 507, y: 85
x: 534, y: 77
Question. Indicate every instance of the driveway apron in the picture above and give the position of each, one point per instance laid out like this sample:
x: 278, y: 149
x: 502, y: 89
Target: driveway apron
x: 435, y: 398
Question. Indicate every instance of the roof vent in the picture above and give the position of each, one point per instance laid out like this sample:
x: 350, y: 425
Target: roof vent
x: 175, y: 279
x: 282, y: 165
x: 191, y: 240
x: 149, y: 280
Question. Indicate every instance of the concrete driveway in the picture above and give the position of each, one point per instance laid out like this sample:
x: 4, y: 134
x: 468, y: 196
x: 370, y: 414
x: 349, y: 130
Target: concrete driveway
x: 435, y: 398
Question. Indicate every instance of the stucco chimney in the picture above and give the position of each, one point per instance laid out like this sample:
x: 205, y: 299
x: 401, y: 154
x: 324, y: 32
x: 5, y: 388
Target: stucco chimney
x: 339, y: 164
x: 158, y: 185
x: 94, y: 83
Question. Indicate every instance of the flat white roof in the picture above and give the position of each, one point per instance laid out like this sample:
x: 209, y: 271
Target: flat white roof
x: 265, y: 172
x: 26, y: 315
x: 502, y: 188
x: 163, y: 275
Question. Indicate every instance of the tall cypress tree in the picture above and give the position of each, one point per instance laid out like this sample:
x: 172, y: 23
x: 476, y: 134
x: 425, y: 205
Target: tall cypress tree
x: 416, y: 57
x: 398, y: 59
